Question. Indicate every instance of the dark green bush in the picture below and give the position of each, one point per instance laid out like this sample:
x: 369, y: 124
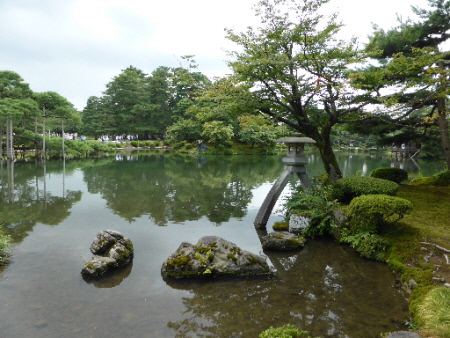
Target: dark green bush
x: 354, y: 186
x: 228, y: 144
x: 135, y: 143
x: 369, y: 212
x: 368, y: 245
x: 396, y: 175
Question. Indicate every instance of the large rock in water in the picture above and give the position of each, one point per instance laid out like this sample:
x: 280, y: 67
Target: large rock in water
x: 111, y: 251
x: 213, y: 256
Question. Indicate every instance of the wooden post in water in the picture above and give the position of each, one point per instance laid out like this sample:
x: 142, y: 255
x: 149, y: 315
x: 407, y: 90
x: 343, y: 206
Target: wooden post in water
x: 295, y: 162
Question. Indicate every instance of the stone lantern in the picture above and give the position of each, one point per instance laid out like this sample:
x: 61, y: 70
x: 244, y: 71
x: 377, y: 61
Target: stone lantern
x: 295, y: 162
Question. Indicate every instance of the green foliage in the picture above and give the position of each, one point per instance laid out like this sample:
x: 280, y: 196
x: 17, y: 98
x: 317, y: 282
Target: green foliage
x: 280, y: 226
x: 217, y: 132
x: 185, y: 130
x: 354, y: 186
x: 434, y: 312
x: 372, y: 211
x: 297, y: 71
x: 135, y: 143
x: 396, y: 175
x: 317, y: 204
x: 5, y: 251
x: 440, y: 179
x: 286, y: 331
x: 368, y: 245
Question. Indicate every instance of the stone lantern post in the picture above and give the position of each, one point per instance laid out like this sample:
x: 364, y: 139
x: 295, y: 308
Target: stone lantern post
x: 295, y: 162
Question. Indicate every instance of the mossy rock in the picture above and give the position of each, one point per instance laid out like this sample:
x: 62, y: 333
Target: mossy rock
x: 282, y: 241
x: 213, y: 257
x: 280, y: 226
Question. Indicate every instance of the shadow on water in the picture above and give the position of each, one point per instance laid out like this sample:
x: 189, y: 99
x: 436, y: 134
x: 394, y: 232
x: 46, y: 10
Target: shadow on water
x: 324, y: 289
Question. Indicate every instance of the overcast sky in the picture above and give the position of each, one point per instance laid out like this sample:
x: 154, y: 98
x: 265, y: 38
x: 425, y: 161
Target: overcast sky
x: 75, y: 47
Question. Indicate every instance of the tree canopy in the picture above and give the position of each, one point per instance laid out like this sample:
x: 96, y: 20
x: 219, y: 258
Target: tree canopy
x: 297, y: 71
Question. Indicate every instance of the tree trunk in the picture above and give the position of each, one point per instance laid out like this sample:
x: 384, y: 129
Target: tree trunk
x: 9, y: 140
x: 443, y: 130
x: 442, y: 120
x: 329, y: 160
x: 1, y: 140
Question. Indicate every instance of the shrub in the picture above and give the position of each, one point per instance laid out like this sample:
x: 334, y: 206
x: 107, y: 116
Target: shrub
x: 396, y: 175
x: 135, y: 143
x: 354, y: 186
x: 286, y: 331
x: 441, y: 179
x: 368, y: 245
x: 371, y: 211
x: 318, y: 205
x: 5, y: 252
x: 434, y: 312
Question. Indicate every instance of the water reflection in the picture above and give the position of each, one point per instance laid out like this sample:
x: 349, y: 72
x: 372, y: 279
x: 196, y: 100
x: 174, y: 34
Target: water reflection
x: 324, y: 289
x: 175, y: 188
x: 23, y: 203
x: 112, y: 279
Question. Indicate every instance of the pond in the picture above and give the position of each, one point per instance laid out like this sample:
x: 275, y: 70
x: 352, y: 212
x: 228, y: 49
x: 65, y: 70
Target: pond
x: 159, y: 200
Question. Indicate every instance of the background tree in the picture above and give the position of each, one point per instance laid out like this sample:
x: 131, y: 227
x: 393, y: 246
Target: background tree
x: 130, y: 104
x: 55, y: 110
x: 16, y: 107
x: 216, y: 132
x: 414, y: 69
x: 297, y: 71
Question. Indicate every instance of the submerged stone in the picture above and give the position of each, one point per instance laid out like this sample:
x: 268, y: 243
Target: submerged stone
x: 213, y: 256
x: 282, y: 240
x: 112, y: 250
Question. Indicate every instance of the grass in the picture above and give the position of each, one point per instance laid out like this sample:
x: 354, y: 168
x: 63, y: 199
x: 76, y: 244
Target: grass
x: 434, y: 313
x: 428, y: 222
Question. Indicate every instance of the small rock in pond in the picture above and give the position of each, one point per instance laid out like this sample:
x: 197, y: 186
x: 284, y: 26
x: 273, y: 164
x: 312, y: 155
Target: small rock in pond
x: 112, y: 250
x: 213, y: 256
x: 282, y: 240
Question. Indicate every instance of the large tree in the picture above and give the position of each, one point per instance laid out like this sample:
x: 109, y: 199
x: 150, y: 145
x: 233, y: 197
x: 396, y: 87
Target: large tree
x: 414, y: 70
x: 297, y: 71
x: 16, y: 107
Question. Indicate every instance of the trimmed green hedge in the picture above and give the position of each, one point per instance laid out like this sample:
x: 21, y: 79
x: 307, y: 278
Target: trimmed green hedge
x: 354, y: 186
x: 396, y: 175
x: 371, y: 211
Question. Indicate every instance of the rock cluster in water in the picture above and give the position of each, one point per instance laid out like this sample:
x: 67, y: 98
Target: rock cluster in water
x: 112, y: 250
x: 213, y: 256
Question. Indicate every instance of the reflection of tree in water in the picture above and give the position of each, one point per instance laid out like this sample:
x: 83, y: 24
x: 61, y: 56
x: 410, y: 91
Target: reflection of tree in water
x: 176, y: 188
x: 325, y: 289
x: 23, y: 202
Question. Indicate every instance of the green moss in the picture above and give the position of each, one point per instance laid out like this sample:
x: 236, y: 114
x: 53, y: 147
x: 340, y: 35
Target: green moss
x: 251, y: 260
x: 178, y: 261
x: 280, y: 226
x: 231, y: 256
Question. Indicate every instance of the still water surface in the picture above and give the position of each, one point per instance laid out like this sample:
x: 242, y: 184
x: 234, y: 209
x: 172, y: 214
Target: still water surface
x: 158, y: 201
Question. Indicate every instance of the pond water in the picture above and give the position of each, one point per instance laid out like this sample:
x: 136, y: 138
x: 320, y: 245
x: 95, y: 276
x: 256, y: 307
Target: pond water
x: 159, y: 200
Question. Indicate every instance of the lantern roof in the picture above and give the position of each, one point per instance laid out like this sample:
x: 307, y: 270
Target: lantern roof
x: 295, y: 139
